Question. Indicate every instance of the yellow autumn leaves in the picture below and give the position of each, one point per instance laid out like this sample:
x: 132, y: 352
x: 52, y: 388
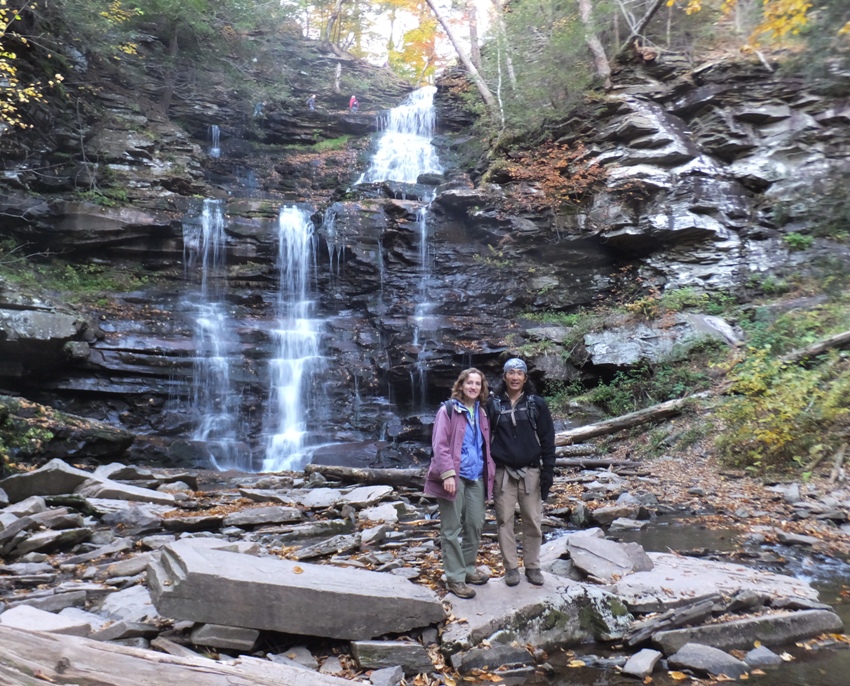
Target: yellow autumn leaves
x: 13, y: 93
x: 780, y: 18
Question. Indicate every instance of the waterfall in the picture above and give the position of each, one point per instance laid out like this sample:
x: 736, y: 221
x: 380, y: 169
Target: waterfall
x: 215, y: 141
x: 404, y: 152
x: 422, y: 321
x: 296, y: 342
x: 215, y: 403
x: 336, y: 246
x: 404, y: 148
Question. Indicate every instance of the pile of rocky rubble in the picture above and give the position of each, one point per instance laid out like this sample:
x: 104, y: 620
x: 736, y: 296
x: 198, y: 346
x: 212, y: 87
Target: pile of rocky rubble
x: 293, y: 579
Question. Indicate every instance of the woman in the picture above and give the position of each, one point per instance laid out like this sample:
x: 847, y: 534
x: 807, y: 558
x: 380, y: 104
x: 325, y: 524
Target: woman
x: 461, y: 478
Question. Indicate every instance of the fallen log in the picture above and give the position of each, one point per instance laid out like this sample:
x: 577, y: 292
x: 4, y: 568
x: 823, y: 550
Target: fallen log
x: 576, y: 449
x: 594, y: 462
x: 649, y: 414
x: 839, y: 340
x: 33, y: 658
x: 411, y: 478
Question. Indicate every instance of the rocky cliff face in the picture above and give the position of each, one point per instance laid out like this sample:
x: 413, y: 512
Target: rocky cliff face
x: 707, y: 170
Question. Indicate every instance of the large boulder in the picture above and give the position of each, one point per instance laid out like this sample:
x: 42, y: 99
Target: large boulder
x: 37, y: 432
x: 220, y: 587
x: 559, y: 613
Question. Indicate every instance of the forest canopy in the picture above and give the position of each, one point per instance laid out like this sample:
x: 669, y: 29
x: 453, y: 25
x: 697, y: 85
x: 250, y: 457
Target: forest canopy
x: 515, y: 52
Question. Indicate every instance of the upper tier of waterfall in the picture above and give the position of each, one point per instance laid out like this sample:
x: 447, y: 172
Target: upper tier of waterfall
x: 404, y: 147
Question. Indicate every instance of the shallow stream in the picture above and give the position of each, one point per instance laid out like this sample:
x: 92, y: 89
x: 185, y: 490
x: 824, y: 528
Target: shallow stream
x: 818, y: 666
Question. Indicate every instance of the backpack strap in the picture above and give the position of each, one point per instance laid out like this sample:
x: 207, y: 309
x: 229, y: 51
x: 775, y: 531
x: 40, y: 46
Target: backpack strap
x: 531, y: 405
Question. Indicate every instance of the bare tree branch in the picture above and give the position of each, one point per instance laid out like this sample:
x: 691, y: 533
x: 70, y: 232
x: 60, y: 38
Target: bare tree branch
x: 486, y: 95
x: 641, y: 25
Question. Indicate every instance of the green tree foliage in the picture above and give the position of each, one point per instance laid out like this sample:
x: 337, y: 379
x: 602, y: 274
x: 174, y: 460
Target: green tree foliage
x: 779, y: 416
x: 785, y: 415
x: 544, y: 42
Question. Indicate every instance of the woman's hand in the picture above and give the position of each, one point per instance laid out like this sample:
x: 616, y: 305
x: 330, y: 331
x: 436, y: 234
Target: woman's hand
x: 450, y: 485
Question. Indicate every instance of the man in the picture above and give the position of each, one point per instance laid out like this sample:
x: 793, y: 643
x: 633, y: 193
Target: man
x: 523, y: 448
x: 311, y: 102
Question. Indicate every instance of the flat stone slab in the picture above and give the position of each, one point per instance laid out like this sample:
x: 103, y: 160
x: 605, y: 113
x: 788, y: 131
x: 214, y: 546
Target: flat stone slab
x: 120, y: 630
x: 676, y: 580
x: 319, y: 498
x: 562, y: 612
x: 366, y: 495
x: 607, y: 560
x: 227, y: 637
x: 32, y: 619
x: 263, y: 515
x: 706, y: 659
x: 220, y: 587
x: 642, y: 663
x: 55, y: 478
x: 262, y: 495
x: 773, y: 630
x: 132, y: 604
x: 411, y: 657
x: 112, y: 490
x: 46, y: 541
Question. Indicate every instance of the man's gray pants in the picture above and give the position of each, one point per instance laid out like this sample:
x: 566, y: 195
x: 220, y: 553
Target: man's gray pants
x: 507, y: 493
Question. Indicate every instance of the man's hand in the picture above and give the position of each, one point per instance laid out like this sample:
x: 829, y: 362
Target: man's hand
x: 450, y: 485
x: 546, y: 479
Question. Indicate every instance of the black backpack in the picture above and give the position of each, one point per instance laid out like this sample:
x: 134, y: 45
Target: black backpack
x: 495, y: 413
x: 449, y: 405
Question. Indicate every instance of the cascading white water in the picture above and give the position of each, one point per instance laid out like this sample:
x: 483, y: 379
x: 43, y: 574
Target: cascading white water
x: 297, y: 345
x: 215, y: 403
x: 335, y: 246
x: 422, y: 322
x: 405, y: 153
x: 404, y: 148
x: 215, y: 141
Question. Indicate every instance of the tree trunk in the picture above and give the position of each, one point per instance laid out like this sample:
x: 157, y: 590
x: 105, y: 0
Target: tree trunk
x: 486, y: 95
x: 472, y: 19
x: 332, y: 20
x: 641, y: 25
x: 413, y: 478
x: 627, y: 421
x: 32, y: 658
x: 603, y: 68
x: 503, y: 34
x: 839, y: 340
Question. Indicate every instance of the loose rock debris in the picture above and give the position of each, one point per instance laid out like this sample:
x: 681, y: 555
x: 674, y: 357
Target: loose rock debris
x: 278, y: 565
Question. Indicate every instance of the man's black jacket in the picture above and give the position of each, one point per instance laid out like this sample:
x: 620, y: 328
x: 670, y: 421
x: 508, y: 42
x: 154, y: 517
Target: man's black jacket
x: 513, y: 439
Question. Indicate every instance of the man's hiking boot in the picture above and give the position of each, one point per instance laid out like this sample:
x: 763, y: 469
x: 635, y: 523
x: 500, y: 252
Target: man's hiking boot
x: 477, y: 577
x: 512, y: 577
x: 534, y: 576
x: 460, y: 589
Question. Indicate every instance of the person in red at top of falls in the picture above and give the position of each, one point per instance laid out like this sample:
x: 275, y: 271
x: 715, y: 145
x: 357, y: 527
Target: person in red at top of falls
x: 353, y: 105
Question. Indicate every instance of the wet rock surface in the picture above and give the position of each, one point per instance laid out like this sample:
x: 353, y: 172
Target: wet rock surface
x: 202, y: 574
x: 696, y: 163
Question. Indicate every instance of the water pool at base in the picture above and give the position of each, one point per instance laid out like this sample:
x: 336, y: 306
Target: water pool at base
x: 826, y: 665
